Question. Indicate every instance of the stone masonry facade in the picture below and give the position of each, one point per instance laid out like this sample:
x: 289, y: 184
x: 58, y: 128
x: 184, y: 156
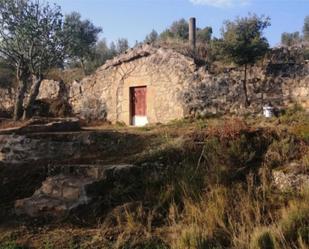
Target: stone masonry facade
x: 105, y: 94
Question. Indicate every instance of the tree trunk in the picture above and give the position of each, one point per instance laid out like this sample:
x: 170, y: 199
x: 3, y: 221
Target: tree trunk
x: 34, y: 92
x: 19, y: 99
x: 247, y: 102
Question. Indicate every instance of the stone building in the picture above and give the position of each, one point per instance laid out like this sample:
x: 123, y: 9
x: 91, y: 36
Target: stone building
x: 156, y: 85
x: 142, y: 86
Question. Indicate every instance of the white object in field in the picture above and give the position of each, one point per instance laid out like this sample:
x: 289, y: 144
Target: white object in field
x: 268, y: 111
x: 139, y: 121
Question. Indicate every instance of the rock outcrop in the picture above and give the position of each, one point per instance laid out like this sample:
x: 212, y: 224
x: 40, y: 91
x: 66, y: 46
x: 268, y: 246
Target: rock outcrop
x: 292, y: 177
x: 62, y: 193
x: 6, y: 102
x: 290, y: 181
x: 51, y: 89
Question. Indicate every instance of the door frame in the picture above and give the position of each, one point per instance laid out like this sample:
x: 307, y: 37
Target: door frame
x: 131, y: 106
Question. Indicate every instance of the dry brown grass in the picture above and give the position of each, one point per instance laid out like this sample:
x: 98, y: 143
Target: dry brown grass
x: 214, y: 191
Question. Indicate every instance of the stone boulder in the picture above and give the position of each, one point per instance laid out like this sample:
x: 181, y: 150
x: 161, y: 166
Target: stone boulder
x: 76, y: 186
x: 50, y: 89
x: 57, y: 196
x: 6, y: 102
x: 291, y: 178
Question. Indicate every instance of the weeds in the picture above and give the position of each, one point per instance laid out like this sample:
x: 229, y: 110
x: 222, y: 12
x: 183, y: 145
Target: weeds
x: 213, y: 191
x: 11, y: 245
x: 262, y: 238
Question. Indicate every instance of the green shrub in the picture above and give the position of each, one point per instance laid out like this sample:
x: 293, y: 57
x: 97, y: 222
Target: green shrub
x: 262, y: 239
x: 293, y: 115
x: 11, y: 245
x: 282, y: 151
x: 295, y: 223
x: 306, y: 53
x: 148, y: 245
x: 193, y: 238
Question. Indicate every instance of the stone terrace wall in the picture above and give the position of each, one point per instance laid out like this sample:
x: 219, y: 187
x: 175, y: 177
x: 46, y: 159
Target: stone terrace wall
x: 281, y: 84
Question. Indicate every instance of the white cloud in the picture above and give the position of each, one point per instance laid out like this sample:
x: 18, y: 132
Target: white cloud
x: 220, y: 3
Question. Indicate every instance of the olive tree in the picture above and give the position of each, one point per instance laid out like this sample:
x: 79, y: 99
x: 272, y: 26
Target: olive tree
x: 122, y: 45
x: 152, y: 37
x: 290, y: 39
x: 81, y: 37
x: 178, y: 30
x: 243, y: 43
x: 31, y: 40
x: 204, y: 35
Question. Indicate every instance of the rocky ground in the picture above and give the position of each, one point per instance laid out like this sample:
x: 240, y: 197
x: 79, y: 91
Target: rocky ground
x: 212, y: 183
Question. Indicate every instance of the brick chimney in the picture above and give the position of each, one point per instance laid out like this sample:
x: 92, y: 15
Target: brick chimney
x: 192, y: 32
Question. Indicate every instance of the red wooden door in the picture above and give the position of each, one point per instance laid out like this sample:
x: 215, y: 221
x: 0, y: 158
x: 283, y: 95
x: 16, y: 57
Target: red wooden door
x: 138, y: 101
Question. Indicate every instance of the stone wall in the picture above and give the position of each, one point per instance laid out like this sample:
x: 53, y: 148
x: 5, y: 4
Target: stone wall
x: 49, y: 90
x: 6, y: 102
x: 106, y: 93
x: 280, y: 84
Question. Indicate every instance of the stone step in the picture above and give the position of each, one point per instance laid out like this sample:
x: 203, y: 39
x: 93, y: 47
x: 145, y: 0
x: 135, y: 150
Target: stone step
x: 57, y: 196
x: 45, y: 125
x: 67, y: 188
x: 64, y: 187
x: 95, y: 171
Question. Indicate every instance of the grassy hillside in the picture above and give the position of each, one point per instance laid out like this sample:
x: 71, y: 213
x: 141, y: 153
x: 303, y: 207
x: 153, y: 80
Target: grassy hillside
x: 204, y: 184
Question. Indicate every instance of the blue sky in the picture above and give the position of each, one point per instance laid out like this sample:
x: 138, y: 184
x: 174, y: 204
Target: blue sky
x: 133, y: 19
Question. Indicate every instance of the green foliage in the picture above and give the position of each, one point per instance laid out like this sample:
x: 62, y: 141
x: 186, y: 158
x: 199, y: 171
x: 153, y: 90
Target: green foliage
x: 306, y: 28
x: 11, y: 245
x: 262, y: 238
x: 216, y: 51
x: 152, y: 37
x: 122, y: 45
x: 101, y: 53
x: 31, y: 35
x: 242, y: 151
x: 180, y: 29
x: 294, y: 114
x: 282, y: 151
x: 191, y: 238
x: 306, y: 53
x: 166, y: 34
x: 31, y: 40
x: 243, y: 40
x: 6, y: 74
x: 295, y: 223
x: 81, y: 37
x: 244, y: 43
x: 48, y: 244
x: 148, y: 245
x: 204, y: 35
x: 290, y: 39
